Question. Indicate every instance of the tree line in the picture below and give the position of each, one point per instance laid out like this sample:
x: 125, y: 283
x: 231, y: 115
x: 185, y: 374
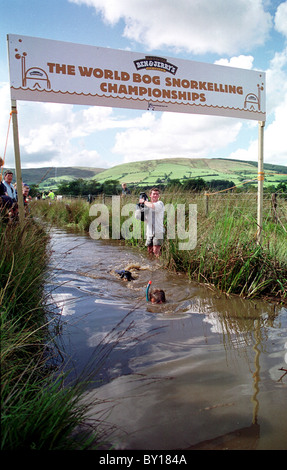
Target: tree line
x: 84, y: 187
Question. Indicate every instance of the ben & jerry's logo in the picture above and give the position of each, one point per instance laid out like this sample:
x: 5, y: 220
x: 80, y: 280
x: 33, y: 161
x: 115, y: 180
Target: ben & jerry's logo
x: 155, y: 63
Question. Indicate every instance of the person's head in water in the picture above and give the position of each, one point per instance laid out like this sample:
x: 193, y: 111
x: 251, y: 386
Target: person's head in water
x: 157, y: 296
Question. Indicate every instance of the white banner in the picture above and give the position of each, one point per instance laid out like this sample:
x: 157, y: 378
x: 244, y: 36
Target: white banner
x: 62, y: 72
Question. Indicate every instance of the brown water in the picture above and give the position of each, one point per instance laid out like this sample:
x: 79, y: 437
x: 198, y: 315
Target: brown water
x: 199, y: 372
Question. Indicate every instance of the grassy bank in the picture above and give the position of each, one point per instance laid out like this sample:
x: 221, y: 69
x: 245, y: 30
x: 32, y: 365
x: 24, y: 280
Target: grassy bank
x: 227, y: 255
x: 37, y: 412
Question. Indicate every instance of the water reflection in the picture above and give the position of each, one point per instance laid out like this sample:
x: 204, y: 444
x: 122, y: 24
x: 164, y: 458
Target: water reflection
x: 201, y: 371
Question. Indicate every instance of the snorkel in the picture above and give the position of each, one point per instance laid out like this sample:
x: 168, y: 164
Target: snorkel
x: 147, y: 289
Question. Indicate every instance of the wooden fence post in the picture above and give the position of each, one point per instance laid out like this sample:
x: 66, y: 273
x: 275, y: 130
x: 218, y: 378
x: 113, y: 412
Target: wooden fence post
x: 274, y: 206
x: 206, y: 196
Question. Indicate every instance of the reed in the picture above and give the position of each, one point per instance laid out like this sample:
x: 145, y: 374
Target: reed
x: 23, y: 261
x: 37, y: 412
x: 72, y: 214
x: 228, y: 256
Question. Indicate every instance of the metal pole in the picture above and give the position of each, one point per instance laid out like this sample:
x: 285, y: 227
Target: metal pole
x: 17, y: 161
x: 261, y: 125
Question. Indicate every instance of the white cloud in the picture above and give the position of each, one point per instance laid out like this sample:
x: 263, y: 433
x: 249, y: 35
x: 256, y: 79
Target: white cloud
x: 177, y: 135
x: 49, y: 133
x: 275, y: 139
x: 281, y: 19
x: 194, y: 26
x: 52, y: 134
x: 275, y: 148
x: 276, y: 80
x: 242, y: 61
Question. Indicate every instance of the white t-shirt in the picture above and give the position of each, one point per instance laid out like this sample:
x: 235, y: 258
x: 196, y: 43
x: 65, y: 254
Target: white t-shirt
x: 154, y: 219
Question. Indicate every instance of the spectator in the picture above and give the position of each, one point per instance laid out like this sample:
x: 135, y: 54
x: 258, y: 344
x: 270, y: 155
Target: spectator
x: 125, y: 190
x: 1, y: 164
x: 26, y: 199
x: 9, y: 188
x: 51, y: 195
x: 25, y: 191
x: 6, y: 203
x: 90, y: 198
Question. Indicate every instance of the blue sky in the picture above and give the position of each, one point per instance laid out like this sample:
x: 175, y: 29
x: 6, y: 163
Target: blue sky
x: 249, y: 34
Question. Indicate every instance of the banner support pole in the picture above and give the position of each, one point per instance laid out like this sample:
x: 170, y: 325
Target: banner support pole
x: 261, y: 125
x: 17, y: 162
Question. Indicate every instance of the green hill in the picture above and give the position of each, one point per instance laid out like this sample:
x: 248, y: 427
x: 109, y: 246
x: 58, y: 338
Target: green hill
x: 52, y: 176
x: 150, y: 172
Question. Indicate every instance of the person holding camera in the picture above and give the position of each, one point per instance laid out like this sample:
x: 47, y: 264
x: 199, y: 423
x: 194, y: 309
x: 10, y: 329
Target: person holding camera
x: 153, y: 216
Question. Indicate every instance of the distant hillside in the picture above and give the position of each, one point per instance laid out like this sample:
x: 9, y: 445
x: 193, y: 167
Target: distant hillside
x: 150, y: 172
x: 55, y: 174
x: 268, y: 166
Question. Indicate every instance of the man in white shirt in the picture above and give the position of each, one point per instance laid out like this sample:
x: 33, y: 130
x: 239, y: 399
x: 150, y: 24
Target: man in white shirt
x: 154, y: 220
x: 9, y: 188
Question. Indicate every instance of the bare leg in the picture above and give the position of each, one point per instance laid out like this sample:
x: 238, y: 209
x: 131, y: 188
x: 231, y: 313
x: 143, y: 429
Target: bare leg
x: 150, y: 250
x: 156, y: 250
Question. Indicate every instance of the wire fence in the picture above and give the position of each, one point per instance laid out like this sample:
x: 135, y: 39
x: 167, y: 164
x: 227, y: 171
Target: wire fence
x: 274, y: 204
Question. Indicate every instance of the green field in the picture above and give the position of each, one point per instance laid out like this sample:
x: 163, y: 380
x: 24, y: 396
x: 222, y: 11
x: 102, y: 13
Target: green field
x: 156, y: 171
x: 151, y: 172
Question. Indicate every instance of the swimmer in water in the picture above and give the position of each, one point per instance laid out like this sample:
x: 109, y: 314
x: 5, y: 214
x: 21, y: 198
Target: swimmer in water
x: 156, y: 296
x: 125, y: 275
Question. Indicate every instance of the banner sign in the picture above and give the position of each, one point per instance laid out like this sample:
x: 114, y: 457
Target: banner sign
x: 62, y: 72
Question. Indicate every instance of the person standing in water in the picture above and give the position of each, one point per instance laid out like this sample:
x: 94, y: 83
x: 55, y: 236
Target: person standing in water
x: 154, y: 220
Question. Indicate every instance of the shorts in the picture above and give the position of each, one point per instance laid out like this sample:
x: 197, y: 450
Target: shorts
x: 152, y: 241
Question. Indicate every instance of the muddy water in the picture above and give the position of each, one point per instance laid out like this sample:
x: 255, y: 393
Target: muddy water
x: 199, y: 372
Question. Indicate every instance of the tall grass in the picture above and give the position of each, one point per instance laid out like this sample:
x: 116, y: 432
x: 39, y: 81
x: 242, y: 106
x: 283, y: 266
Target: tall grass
x: 23, y: 261
x: 37, y: 412
x: 227, y: 254
x: 72, y: 214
